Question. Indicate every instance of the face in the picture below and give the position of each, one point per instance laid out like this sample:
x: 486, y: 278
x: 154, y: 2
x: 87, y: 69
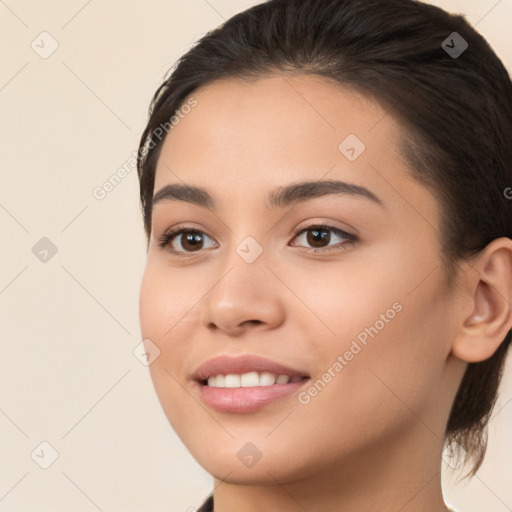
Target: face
x: 359, y: 306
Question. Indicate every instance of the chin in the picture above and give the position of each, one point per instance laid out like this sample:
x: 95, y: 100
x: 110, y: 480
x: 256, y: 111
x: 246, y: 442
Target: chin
x: 240, y: 462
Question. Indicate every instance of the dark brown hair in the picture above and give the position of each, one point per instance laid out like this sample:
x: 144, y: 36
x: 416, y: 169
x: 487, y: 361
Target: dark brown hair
x: 455, y: 114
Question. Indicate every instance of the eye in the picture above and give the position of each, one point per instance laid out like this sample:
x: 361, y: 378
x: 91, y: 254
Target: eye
x: 193, y: 240
x: 320, y: 235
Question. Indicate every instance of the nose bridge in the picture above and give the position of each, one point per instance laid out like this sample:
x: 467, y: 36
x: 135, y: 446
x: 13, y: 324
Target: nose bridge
x: 243, y: 290
x: 246, y: 251
x: 243, y: 270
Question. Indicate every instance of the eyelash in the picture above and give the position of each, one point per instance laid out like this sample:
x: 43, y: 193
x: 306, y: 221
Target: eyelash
x: 171, y: 233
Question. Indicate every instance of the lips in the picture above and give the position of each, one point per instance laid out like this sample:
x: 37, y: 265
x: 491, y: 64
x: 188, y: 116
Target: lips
x: 224, y: 364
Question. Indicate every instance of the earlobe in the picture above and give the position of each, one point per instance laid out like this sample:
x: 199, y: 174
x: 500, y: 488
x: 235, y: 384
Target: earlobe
x: 490, y: 293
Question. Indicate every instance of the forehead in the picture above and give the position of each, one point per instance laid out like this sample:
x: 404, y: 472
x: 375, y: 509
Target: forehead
x: 247, y: 138
x: 274, y: 120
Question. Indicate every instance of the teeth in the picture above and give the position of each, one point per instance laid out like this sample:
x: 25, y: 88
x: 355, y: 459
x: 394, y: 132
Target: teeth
x: 231, y: 381
x: 250, y: 379
x: 267, y: 379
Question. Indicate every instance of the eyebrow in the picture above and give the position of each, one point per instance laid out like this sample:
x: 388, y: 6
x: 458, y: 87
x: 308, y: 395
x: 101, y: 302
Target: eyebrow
x: 280, y: 197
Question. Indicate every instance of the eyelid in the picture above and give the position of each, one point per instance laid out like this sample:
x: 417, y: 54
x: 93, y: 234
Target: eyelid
x: 326, y: 221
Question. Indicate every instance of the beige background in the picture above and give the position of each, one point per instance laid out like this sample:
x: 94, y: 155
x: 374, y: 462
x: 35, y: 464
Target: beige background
x: 69, y: 325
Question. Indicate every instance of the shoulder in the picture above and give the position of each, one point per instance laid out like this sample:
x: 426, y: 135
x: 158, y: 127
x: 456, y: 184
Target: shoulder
x: 207, y: 506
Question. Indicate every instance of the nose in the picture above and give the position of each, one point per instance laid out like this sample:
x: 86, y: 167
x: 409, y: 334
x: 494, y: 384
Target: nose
x: 245, y: 296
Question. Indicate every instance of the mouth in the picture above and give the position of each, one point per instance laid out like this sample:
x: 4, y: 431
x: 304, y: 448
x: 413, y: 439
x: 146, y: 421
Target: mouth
x: 248, y: 392
x: 245, y: 383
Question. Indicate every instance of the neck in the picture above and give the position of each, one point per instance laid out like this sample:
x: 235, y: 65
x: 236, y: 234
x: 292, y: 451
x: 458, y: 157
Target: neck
x: 403, y: 474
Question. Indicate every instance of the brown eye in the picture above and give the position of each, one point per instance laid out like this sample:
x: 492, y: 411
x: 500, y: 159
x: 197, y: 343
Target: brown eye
x: 190, y: 240
x: 318, y: 236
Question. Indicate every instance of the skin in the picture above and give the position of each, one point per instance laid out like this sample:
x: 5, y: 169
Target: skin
x: 372, y: 438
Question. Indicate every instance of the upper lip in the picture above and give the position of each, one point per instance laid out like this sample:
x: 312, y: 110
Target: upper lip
x: 224, y: 364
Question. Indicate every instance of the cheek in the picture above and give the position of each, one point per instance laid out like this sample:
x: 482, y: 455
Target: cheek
x: 379, y: 328
x: 345, y: 301
x: 166, y: 302
x: 166, y: 314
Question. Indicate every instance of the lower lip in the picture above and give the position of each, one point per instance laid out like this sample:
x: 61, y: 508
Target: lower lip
x: 250, y: 399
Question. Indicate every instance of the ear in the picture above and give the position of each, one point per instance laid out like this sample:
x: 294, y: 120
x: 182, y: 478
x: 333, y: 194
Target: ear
x: 488, y: 296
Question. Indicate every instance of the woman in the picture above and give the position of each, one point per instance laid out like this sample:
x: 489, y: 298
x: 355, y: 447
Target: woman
x: 324, y: 191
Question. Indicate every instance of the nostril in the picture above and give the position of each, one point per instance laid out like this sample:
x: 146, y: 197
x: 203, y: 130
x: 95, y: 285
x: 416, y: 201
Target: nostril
x: 256, y: 322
